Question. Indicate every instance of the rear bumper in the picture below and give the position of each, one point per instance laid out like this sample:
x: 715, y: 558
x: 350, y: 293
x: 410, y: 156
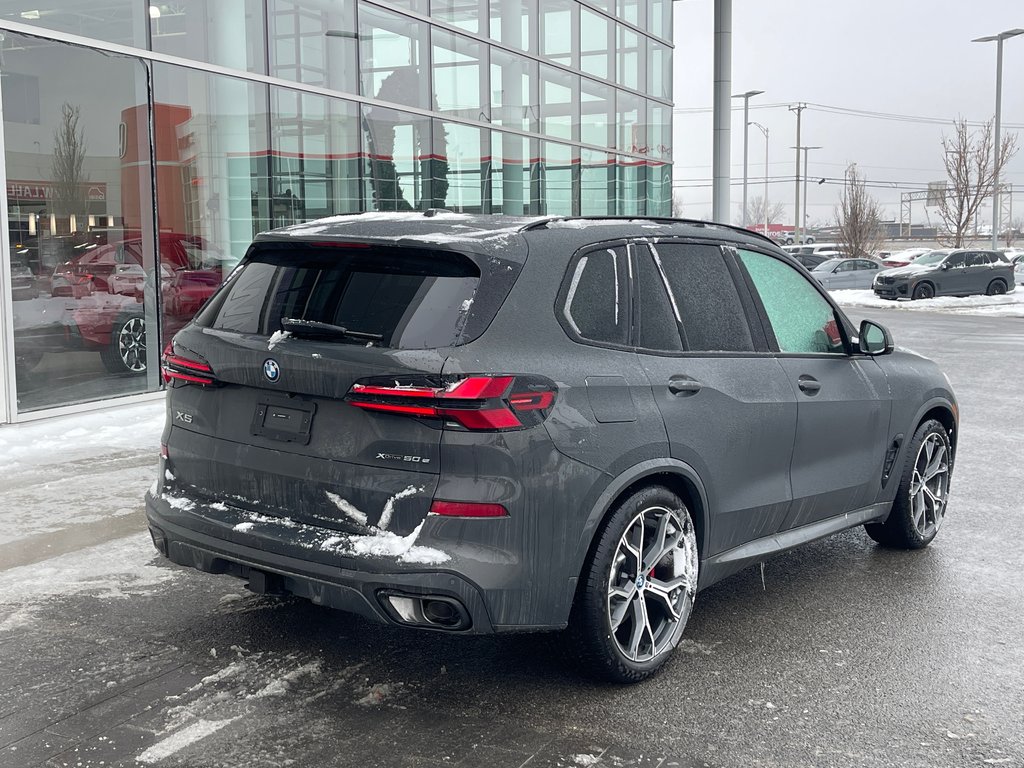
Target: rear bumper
x: 284, y: 559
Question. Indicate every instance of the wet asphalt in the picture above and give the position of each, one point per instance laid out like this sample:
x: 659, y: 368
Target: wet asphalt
x: 845, y: 655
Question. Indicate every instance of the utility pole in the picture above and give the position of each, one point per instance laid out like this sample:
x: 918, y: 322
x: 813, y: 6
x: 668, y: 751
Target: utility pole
x: 746, y: 123
x: 722, y: 112
x: 796, y: 212
x: 806, y: 174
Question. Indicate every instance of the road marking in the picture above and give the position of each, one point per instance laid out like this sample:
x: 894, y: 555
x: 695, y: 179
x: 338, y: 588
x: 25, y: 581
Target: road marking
x: 183, y: 738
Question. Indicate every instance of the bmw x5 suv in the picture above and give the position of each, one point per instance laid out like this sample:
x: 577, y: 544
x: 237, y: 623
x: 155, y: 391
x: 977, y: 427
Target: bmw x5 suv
x: 475, y: 424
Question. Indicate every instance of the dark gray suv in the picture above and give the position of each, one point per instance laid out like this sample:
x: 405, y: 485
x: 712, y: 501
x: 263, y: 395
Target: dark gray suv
x: 947, y: 273
x: 477, y: 424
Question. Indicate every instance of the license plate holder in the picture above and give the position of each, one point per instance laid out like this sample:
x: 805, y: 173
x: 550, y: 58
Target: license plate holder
x: 285, y: 419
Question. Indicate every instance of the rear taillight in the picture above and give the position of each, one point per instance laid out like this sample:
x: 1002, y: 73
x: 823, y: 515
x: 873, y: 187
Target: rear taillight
x: 489, y: 403
x: 188, y: 368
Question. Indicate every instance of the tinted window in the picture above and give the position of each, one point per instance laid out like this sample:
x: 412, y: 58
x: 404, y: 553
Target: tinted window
x: 955, y: 260
x: 411, y: 299
x: 704, y: 298
x: 658, y: 327
x: 802, y: 320
x: 595, y: 304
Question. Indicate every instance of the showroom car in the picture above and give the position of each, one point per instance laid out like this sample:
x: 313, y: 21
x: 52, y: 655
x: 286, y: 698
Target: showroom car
x: 472, y: 424
x: 947, y: 273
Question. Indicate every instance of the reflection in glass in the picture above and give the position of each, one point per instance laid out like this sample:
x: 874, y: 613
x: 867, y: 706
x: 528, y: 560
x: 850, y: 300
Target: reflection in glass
x: 631, y: 118
x: 557, y: 171
x: 661, y: 18
x: 464, y: 14
x: 116, y: 21
x: 213, y: 192
x: 631, y: 189
x: 514, y: 23
x: 228, y: 34
x: 597, y: 183
x: 633, y: 11
x: 398, y: 168
x: 515, y: 182
x: 315, y: 160
x: 596, y: 113
x: 559, y: 30
x: 659, y: 70
x: 659, y: 130
x: 314, y: 42
x: 596, y: 44
x: 79, y: 206
x: 631, y: 59
x: 659, y: 188
x: 559, y: 103
x: 457, y: 165
x: 393, y: 50
x: 460, y: 87
x: 514, y: 92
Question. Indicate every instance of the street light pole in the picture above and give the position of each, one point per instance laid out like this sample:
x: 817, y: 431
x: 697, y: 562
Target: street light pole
x: 765, y: 200
x: 995, y: 147
x: 799, y: 108
x: 746, y: 121
x: 803, y: 221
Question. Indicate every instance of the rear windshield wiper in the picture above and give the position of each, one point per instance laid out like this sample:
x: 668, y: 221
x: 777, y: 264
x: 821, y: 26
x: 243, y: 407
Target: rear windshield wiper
x: 316, y: 329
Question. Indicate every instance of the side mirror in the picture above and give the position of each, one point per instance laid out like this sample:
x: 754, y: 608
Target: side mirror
x: 874, y: 339
x: 945, y: 267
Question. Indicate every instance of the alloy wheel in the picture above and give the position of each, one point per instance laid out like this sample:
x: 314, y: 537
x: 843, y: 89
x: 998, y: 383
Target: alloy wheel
x: 131, y: 344
x: 929, y: 484
x: 652, y: 583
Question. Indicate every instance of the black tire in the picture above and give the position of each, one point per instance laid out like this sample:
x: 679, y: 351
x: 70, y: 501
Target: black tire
x: 996, y: 288
x: 662, y: 599
x: 126, y: 352
x: 923, y: 291
x: 916, y: 515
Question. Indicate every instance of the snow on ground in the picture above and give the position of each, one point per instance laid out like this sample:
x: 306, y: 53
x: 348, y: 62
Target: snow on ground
x: 114, y: 569
x: 77, y: 470
x: 1008, y: 305
x: 79, y: 436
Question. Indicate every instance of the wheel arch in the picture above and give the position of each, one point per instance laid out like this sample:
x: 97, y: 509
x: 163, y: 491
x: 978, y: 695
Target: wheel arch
x: 679, y: 477
x: 944, y: 412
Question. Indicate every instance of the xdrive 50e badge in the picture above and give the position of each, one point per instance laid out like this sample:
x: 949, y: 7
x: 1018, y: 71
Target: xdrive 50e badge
x: 271, y: 369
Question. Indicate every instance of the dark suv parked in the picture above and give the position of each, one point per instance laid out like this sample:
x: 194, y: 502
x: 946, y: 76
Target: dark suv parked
x: 947, y: 273
x: 488, y: 424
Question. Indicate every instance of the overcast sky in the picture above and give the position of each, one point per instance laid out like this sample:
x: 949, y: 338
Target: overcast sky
x: 905, y: 57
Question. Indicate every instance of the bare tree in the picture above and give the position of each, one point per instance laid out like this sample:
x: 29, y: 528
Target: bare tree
x: 1014, y: 232
x: 677, y: 205
x: 859, y: 217
x: 756, y: 211
x: 967, y: 156
x: 69, y: 194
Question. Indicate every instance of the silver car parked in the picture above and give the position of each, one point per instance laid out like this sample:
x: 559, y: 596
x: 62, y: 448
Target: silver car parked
x: 836, y: 274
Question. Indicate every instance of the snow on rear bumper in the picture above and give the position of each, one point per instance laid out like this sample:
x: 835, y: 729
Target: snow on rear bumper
x: 223, y: 539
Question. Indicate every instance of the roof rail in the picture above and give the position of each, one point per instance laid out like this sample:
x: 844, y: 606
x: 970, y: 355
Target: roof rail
x: 662, y: 219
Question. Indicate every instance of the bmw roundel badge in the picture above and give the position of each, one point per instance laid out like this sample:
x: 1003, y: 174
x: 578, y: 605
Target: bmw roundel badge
x: 271, y: 369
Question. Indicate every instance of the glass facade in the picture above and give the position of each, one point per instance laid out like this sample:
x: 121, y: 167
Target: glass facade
x: 146, y: 143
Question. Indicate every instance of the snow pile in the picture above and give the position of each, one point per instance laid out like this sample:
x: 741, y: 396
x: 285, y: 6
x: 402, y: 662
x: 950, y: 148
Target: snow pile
x: 388, y: 544
x: 276, y: 338
x: 1007, y: 305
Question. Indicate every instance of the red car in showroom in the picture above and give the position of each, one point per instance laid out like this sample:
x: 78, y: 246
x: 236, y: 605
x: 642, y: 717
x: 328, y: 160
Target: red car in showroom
x: 106, y: 284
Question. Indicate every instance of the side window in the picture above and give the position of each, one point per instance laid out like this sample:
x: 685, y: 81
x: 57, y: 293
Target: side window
x: 847, y: 266
x: 595, y: 305
x: 955, y: 261
x: 865, y: 264
x: 802, y: 320
x: 704, y: 297
x: 658, y: 326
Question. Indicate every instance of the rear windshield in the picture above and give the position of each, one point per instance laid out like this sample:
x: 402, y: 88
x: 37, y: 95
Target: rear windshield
x: 399, y: 298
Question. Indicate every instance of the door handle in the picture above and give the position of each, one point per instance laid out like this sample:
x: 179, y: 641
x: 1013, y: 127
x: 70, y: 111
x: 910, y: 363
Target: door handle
x: 809, y: 384
x: 684, y: 386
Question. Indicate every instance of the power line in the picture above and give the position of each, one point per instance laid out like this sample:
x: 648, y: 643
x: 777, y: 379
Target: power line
x: 852, y: 112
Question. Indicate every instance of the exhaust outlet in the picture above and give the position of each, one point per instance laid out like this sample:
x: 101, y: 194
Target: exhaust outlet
x: 428, y: 611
